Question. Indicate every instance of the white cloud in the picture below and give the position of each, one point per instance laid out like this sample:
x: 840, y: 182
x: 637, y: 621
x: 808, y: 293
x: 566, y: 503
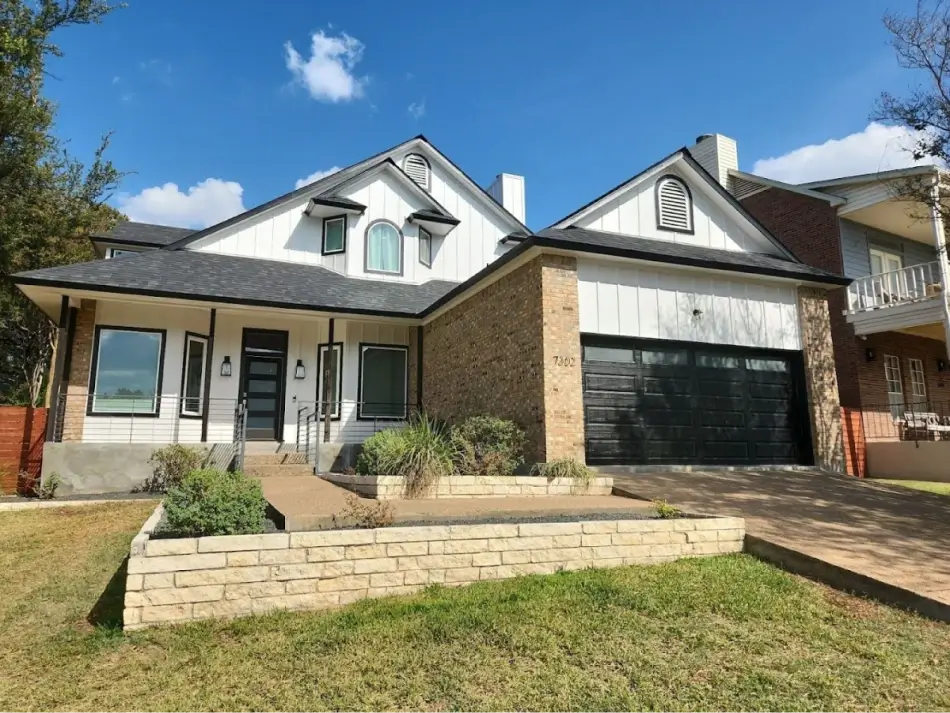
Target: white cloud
x: 328, y: 74
x: 209, y: 202
x: 417, y: 109
x: 315, y: 176
x: 877, y: 148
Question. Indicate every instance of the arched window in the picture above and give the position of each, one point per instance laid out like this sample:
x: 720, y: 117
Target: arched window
x: 674, y: 205
x: 417, y: 168
x: 383, y: 248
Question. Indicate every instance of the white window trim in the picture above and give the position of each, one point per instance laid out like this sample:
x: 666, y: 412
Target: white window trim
x: 337, y: 378
x: 402, y: 249
x: 690, y: 227
x: 189, y: 340
x: 428, y: 243
x: 111, y: 252
x: 892, y: 363
x: 914, y: 383
x: 884, y: 255
x: 94, y: 373
x: 326, y: 225
x: 360, y: 416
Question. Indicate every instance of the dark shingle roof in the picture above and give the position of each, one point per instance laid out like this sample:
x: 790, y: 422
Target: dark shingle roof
x: 144, y: 234
x: 595, y: 241
x: 197, y: 275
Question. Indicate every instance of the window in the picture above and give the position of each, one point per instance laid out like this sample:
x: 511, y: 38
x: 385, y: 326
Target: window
x: 895, y: 391
x: 766, y: 364
x: 715, y: 361
x: 193, y: 375
x: 918, y: 389
x: 119, y: 252
x: 417, y: 168
x: 425, y: 247
x: 664, y: 358
x: 336, y: 383
x: 674, y: 205
x: 127, y: 371
x: 616, y: 354
x: 334, y: 235
x: 383, y: 381
x: 383, y: 248
x: 884, y: 261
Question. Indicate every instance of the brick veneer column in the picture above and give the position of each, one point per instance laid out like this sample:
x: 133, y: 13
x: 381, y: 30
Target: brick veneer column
x: 77, y: 381
x: 820, y: 379
x: 495, y: 354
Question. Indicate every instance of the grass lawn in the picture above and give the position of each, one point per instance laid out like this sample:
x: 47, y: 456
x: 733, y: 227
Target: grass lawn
x: 925, y: 485
x: 725, y: 633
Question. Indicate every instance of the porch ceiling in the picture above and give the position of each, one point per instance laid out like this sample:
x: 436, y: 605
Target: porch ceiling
x: 931, y: 331
x: 898, y: 217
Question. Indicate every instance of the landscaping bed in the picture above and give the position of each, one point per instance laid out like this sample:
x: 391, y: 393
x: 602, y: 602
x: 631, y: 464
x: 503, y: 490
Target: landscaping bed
x: 720, y: 633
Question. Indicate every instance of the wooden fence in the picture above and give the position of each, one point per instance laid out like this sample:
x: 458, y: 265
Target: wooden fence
x: 22, y: 433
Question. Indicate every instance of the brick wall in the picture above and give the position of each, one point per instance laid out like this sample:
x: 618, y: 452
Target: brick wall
x: 22, y: 434
x: 820, y: 378
x: 495, y: 354
x: 77, y: 380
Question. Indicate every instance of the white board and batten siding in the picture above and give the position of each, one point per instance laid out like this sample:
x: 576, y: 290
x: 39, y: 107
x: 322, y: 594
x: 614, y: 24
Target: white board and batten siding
x: 633, y: 212
x: 660, y: 303
x: 285, y: 233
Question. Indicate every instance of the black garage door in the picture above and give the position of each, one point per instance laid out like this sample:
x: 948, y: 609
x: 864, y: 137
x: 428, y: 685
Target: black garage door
x: 660, y: 402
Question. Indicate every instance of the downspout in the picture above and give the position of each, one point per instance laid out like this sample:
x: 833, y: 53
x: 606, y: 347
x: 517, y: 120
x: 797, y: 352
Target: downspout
x: 940, y: 240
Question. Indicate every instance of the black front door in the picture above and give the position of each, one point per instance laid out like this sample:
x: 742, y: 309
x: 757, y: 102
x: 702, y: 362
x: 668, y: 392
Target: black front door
x: 263, y: 386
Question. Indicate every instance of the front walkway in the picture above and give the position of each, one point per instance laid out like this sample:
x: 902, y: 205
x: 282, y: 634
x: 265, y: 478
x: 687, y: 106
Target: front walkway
x: 895, y: 535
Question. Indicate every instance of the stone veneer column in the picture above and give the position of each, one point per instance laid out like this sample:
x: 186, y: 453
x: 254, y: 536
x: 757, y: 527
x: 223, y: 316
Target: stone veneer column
x: 77, y: 381
x: 820, y: 379
x: 513, y: 350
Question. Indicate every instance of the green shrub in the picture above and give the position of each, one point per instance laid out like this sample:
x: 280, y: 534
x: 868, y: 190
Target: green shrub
x: 421, y: 452
x: 665, y: 510
x: 215, y: 502
x: 486, y: 445
x: 45, y: 488
x: 171, y: 464
x: 566, y: 468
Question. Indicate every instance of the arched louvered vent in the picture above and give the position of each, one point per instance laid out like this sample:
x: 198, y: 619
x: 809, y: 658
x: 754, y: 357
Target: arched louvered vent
x: 417, y: 168
x: 674, y: 205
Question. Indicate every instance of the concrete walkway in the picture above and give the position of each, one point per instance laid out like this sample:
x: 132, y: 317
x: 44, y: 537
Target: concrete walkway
x: 895, y: 535
x: 309, y: 503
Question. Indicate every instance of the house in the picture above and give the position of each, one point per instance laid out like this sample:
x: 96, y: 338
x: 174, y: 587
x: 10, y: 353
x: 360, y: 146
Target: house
x: 659, y: 323
x: 890, y: 326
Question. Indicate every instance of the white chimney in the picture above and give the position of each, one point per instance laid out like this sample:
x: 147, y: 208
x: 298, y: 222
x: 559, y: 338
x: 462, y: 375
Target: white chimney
x: 717, y: 154
x: 508, y: 189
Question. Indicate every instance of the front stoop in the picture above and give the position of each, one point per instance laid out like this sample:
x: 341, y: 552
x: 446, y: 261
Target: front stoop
x: 276, y: 464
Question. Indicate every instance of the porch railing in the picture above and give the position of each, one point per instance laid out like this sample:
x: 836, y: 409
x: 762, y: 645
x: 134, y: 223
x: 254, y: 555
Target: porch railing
x: 887, y: 289
x: 922, y: 420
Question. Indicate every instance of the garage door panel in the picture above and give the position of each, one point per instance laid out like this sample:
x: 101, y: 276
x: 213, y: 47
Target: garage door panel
x: 684, y: 403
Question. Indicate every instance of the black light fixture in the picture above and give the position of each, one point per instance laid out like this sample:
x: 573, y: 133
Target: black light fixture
x: 301, y: 371
x: 869, y: 354
x: 941, y: 364
x: 226, y: 366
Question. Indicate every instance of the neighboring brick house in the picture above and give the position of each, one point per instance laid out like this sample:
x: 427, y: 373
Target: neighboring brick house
x: 888, y: 326
x: 658, y: 324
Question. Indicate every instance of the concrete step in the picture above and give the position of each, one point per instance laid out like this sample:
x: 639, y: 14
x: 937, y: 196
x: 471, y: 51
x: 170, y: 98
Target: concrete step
x: 268, y: 471
x: 274, y: 458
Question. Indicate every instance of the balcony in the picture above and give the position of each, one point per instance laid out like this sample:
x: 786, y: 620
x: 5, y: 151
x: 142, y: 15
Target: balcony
x: 896, y: 300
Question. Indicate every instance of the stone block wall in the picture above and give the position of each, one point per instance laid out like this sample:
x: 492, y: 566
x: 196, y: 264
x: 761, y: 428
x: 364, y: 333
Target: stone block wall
x: 198, y: 578
x: 526, y: 324
x: 392, y: 487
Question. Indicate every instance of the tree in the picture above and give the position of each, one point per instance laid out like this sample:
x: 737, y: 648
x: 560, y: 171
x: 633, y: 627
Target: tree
x: 49, y: 201
x: 922, y: 43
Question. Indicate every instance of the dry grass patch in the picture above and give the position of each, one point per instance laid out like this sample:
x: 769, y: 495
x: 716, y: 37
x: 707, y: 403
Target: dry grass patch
x: 723, y: 633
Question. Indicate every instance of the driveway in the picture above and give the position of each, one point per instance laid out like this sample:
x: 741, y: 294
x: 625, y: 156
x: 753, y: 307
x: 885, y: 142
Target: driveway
x: 896, y: 535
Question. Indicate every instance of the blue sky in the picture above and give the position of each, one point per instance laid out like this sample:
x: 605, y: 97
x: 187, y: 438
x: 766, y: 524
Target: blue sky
x: 575, y: 96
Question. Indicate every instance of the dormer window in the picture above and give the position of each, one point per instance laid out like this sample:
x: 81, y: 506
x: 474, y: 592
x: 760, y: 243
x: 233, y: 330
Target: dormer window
x: 418, y: 169
x: 674, y: 205
x: 334, y: 235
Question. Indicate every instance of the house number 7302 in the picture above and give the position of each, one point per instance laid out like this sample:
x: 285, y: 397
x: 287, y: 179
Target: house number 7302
x: 564, y: 361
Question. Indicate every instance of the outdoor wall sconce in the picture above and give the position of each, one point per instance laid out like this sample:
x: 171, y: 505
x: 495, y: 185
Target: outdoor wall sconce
x: 941, y: 364
x: 301, y: 371
x: 226, y: 366
x: 869, y: 354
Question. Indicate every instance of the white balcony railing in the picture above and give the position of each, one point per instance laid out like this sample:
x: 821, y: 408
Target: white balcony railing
x: 887, y: 289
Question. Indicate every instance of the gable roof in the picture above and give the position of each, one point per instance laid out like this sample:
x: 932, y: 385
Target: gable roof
x: 664, y: 163
x: 328, y: 185
x: 127, y: 232
x: 868, y: 177
x: 767, y: 183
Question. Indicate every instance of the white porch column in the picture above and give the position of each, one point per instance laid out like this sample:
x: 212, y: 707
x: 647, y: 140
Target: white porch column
x: 940, y: 240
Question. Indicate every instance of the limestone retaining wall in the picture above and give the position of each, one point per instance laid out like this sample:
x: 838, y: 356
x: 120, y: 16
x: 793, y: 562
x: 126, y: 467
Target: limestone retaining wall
x: 172, y: 580
x: 392, y: 487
